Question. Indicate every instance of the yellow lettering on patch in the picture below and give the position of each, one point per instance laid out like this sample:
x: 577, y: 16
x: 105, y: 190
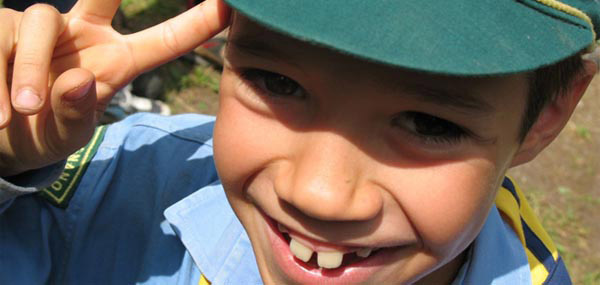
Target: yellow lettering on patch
x: 64, y: 176
x: 60, y: 192
x: 74, y: 157
x: 56, y: 186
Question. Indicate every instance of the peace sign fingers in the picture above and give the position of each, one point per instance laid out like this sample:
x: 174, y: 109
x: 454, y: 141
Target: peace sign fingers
x: 175, y: 37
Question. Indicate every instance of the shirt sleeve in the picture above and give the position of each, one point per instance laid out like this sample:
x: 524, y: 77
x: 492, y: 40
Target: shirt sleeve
x: 28, y: 182
x: 100, y: 221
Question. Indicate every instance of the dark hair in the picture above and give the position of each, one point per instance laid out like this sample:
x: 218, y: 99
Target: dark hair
x: 546, y: 84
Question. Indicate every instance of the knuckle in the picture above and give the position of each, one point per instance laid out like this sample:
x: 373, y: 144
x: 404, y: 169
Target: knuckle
x: 42, y: 10
x: 28, y: 67
x: 205, y: 22
x: 5, y: 13
x: 169, y: 37
x: 80, y: 114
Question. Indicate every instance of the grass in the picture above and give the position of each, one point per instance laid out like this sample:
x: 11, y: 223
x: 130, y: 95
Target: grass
x: 563, y: 218
x: 201, y: 76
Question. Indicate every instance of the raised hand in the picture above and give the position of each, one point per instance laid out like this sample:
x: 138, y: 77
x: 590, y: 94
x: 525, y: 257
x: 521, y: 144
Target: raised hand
x: 62, y: 70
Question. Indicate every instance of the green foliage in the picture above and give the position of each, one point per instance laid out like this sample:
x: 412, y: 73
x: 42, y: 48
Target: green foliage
x: 142, y: 14
x: 583, y: 132
x: 201, y: 77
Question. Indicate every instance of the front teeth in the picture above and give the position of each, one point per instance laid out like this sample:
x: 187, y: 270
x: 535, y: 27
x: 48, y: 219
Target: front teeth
x: 329, y: 259
x: 300, y: 251
x: 325, y: 259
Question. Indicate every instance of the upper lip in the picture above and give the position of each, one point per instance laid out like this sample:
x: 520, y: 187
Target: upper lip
x: 317, y: 242
x: 318, y: 245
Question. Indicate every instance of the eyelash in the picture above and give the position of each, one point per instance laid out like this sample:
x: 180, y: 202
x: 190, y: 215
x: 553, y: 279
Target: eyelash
x: 256, y: 79
x: 451, y: 134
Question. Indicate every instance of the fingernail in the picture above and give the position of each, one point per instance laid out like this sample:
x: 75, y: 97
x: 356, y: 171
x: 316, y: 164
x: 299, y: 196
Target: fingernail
x: 28, y: 99
x: 78, y: 92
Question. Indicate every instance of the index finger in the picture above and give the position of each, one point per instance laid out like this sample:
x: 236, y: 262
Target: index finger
x: 179, y: 35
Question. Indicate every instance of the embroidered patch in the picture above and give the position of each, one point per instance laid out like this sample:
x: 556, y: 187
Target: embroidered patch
x: 60, y: 192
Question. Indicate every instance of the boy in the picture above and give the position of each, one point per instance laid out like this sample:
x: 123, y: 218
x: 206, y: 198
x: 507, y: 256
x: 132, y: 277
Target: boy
x: 356, y: 142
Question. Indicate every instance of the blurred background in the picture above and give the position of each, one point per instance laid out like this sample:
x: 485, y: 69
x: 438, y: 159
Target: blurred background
x: 562, y: 184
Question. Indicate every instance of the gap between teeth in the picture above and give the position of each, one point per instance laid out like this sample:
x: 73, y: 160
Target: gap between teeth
x: 325, y: 259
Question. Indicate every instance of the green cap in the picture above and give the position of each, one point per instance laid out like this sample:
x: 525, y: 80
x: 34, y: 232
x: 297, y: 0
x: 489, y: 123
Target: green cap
x: 456, y: 37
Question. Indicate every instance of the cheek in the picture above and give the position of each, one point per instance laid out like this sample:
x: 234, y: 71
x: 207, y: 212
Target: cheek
x: 244, y: 140
x: 449, y: 204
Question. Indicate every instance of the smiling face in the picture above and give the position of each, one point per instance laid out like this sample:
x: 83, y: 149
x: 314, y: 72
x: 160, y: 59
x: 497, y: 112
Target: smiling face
x: 350, y: 157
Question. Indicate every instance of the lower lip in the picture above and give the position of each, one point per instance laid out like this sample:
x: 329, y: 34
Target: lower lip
x: 353, y: 273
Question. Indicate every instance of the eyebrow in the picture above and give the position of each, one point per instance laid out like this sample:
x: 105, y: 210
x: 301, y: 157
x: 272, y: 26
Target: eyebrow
x: 459, y: 100
x: 257, y: 48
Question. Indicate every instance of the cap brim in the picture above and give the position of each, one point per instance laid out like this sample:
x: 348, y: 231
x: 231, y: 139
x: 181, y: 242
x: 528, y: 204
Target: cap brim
x: 463, y: 37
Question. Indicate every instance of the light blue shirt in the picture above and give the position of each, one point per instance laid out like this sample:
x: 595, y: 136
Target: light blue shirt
x: 150, y: 209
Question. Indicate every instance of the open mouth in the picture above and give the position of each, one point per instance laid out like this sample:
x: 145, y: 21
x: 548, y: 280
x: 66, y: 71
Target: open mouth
x: 308, y: 261
x: 323, y: 258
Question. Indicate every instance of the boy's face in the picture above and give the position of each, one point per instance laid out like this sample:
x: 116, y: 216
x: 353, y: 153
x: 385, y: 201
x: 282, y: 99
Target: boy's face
x: 352, y: 155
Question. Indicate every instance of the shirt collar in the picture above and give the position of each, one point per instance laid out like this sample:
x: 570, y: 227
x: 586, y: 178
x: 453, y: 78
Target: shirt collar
x: 496, y: 256
x: 214, y: 237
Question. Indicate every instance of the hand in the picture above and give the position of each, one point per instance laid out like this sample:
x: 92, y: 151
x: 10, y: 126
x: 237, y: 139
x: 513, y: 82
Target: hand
x: 62, y: 71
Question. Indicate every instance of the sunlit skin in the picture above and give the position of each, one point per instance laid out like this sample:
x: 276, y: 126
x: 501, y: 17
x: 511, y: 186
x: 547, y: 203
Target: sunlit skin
x: 338, y: 158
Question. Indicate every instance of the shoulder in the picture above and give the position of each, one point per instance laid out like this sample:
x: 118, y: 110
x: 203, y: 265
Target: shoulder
x: 191, y: 127
x: 547, y: 267
x: 167, y: 148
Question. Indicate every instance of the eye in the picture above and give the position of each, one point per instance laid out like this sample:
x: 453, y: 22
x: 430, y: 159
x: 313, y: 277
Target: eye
x: 273, y: 84
x: 429, y: 128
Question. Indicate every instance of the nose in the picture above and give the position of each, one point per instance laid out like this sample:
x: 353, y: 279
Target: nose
x: 328, y: 178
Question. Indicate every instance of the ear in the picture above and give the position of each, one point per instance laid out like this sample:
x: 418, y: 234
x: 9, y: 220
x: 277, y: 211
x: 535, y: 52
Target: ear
x: 554, y: 117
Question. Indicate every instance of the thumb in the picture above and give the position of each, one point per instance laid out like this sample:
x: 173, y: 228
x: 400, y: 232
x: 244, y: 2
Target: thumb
x: 73, y: 119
